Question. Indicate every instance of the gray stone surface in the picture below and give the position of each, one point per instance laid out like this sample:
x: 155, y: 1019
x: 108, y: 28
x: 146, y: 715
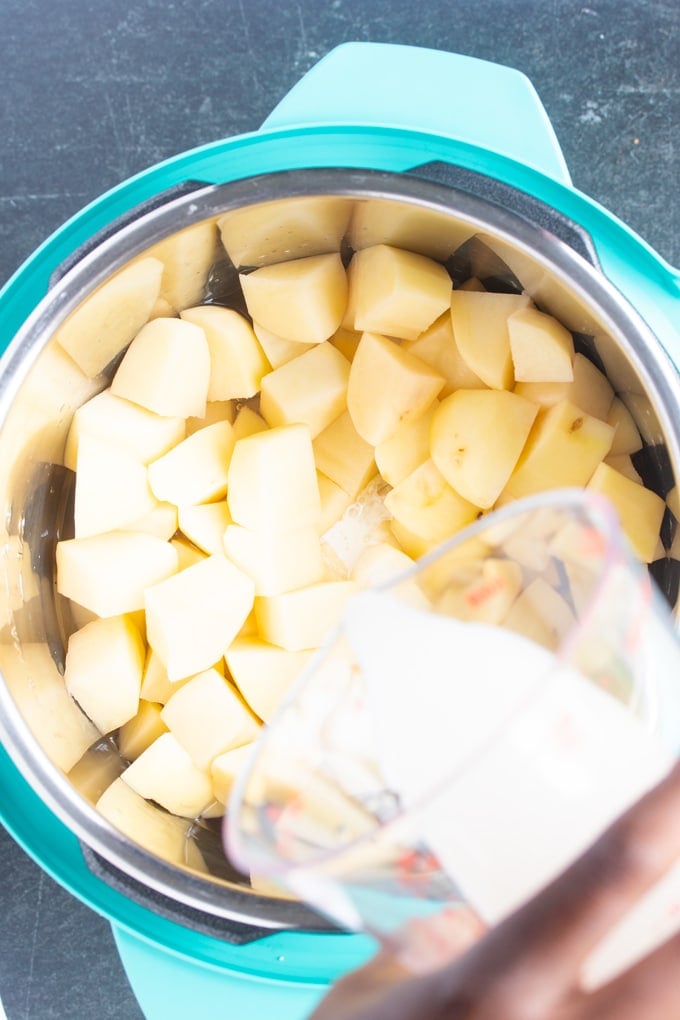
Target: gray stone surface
x: 92, y: 91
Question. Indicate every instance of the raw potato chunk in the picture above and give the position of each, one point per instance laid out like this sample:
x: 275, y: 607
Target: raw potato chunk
x: 627, y: 438
x: 166, y: 369
x: 164, y: 772
x: 187, y: 257
x: 639, y: 509
x: 542, y: 349
x: 155, y: 683
x: 193, y: 617
x: 426, y: 505
x: 437, y: 348
x: 205, y: 525
x: 397, y: 292
x: 187, y: 553
x: 343, y: 456
x: 406, y: 449
x: 272, y: 480
x: 277, y: 350
x: 141, y: 731
x: 225, y: 770
x: 387, y: 387
x: 140, y: 433
x: 264, y: 673
x: 247, y: 422
x: 564, y: 448
x: 276, y: 561
x: 334, y: 502
x: 622, y: 462
x: 196, y: 470
x: 346, y: 341
x: 109, y: 573
x: 303, y: 618
x: 103, y: 671
x: 476, y: 439
x: 112, y: 489
x: 208, y: 717
x: 160, y: 522
x: 590, y: 389
x: 480, y: 328
x: 237, y: 361
x: 311, y: 389
x: 97, y: 769
x: 108, y: 320
x: 147, y: 825
x: 302, y: 300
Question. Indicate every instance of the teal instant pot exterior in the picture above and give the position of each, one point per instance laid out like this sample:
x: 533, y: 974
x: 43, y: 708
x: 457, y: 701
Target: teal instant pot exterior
x: 365, y: 106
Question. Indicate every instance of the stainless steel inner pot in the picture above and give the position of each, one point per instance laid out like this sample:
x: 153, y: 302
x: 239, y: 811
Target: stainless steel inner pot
x: 254, y: 222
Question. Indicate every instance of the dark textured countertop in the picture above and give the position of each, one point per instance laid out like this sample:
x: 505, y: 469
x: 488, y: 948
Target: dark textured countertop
x: 93, y: 91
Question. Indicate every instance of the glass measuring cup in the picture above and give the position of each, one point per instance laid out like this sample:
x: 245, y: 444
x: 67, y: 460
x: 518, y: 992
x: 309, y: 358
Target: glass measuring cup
x: 467, y: 731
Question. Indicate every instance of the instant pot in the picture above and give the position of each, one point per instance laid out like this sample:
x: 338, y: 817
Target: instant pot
x: 437, y: 152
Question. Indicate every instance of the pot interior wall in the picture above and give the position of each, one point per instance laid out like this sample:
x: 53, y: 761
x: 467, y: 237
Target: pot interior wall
x: 37, y: 489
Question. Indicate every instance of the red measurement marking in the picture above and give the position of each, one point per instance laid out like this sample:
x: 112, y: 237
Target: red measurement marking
x: 484, y: 591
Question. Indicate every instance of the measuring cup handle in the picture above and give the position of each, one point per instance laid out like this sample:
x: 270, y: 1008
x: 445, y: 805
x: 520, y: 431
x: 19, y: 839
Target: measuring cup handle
x: 409, y: 87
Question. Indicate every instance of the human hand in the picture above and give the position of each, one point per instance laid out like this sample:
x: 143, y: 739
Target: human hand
x: 528, y: 967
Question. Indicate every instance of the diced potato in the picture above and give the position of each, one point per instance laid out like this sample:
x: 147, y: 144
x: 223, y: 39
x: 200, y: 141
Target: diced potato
x: 96, y: 770
x: 192, y: 617
x: 476, y: 439
x: 472, y: 283
x: 103, y: 671
x: 407, y: 387
x: 204, y: 525
x: 481, y: 590
x: 140, y: 433
x: 36, y: 686
x: 397, y: 292
x: 264, y: 673
x: 208, y: 717
x: 156, y: 687
x: 129, y: 561
x: 426, y: 505
x: 590, y: 389
x: 196, y: 470
x: 437, y: 348
x: 542, y: 348
x: 157, y: 831
x: 215, y: 410
x: 406, y: 449
x: 141, y: 731
x: 302, y: 300
x: 623, y: 463
x: 187, y: 256
x: 343, y: 456
x: 237, y: 361
x: 112, y: 489
x: 107, y: 321
x: 225, y: 770
x: 640, y: 510
x: 380, y: 563
x: 334, y: 502
x: 278, y: 351
x: 564, y: 448
x: 480, y: 328
x: 164, y: 772
x: 310, y: 389
x: 272, y: 480
x: 627, y: 437
x: 302, y: 619
x: 248, y: 422
x: 166, y: 369
x: 160, y: 522
x: 541, y: 614
x: 277, y: 561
